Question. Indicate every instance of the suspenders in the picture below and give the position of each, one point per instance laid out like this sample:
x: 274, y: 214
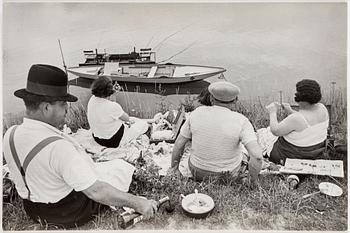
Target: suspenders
x: 30, y: 155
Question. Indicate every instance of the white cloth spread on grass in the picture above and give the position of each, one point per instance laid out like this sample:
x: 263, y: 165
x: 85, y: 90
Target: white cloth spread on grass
x: 60, y: 167
x: 134, y: 131
x: 266, y: 139
x: 103, y: 116
x: 217, y: 134
x: 116, y: 172
x: 160, y: 153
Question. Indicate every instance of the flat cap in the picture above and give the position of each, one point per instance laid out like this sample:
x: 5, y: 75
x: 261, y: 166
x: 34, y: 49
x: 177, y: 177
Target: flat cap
x: 224, y: 91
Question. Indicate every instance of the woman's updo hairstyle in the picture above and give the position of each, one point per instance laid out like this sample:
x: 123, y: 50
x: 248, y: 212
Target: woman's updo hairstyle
x: 308, y: 91
x: 102, y: 87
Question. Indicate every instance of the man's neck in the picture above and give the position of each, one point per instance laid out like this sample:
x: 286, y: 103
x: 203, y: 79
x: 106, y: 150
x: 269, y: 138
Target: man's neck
x: 37, y: 117
x: 224, y: 105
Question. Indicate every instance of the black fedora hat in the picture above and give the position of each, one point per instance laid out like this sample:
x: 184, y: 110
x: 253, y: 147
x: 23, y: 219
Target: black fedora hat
x: 46, y: 82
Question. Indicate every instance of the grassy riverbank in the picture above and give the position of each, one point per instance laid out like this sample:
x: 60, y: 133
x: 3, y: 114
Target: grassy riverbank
x: 270, y: 206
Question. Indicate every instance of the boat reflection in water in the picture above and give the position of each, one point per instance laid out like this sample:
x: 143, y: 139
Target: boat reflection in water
x: 153, y: 88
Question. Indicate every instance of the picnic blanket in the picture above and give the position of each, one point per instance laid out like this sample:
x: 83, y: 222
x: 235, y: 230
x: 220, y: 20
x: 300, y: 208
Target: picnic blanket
x: 115, y: 165
x: 160, y: 153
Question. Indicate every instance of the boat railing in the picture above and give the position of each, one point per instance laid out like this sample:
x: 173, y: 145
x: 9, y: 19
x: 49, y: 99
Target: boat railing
x: 146, y: 54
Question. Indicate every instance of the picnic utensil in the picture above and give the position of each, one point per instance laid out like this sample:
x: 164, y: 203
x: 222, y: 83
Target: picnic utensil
x: 196, y: 196
x: 327, y: 188
x: 197, y: 205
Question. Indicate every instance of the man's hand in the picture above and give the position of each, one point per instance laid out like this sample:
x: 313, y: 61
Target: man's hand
x: 174, y: 172
x: 147, y: 208
x: 250, y: 182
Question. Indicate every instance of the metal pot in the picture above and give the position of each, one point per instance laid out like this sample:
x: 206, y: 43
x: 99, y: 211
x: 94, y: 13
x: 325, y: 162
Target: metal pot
x: 197, y: 205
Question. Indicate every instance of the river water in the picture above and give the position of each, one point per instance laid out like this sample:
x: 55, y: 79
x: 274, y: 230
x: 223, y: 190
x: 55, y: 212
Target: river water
x: 265, y: 47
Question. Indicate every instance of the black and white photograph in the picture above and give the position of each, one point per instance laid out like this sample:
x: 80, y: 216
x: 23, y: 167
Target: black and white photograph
x: 201, y: 115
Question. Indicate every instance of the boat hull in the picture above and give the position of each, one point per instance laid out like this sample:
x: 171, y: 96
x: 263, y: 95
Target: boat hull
x: 183, y: 73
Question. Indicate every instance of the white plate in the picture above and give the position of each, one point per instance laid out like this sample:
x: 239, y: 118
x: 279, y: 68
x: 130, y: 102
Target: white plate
x: 197, y: 204
x: 330, y: 189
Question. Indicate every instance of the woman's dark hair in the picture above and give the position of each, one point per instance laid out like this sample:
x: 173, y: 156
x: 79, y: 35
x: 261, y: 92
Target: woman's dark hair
x: 102, y: 87
x: 204, y: 97
x: 308, y: 91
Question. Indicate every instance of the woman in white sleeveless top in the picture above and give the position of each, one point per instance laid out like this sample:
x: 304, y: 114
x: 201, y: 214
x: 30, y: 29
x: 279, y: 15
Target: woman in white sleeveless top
x: 105, y: 116
x: 302, y: 134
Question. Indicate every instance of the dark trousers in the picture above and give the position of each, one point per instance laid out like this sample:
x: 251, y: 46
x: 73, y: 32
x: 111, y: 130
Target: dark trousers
x: 282, y: 150
x: 114, y: 141
x: 71, y: 211
x: 200, y: 174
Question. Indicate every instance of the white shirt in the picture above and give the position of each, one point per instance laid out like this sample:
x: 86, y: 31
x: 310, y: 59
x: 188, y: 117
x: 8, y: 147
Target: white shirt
x: 217, y: 134
x: 312, y: 135
x: 55, y: 171
x: 103, y: 117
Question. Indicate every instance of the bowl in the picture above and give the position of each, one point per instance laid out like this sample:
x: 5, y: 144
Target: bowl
x: 197, y: 205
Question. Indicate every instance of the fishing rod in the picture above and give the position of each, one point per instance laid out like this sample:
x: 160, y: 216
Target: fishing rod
x: 64, y: 64
x: 171, y: 35
x: 149, y: 41
x: 178, y: 52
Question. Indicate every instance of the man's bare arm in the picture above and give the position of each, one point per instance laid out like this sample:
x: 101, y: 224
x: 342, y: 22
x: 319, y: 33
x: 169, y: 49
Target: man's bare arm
x: 255, y: 161
x: 178, y: 151
x: 106, y: 194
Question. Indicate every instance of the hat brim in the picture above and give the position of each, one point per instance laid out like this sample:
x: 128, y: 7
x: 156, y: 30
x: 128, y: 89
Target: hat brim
x: 23, y: 93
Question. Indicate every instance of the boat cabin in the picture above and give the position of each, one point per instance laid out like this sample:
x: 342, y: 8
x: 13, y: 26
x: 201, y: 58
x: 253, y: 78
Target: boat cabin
x: 94, y: 58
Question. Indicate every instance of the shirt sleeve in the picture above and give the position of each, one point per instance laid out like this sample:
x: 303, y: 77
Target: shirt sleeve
x: 78, y: 172
x: 185, y: 130
x: 116, y: 110
x: 247, y: 133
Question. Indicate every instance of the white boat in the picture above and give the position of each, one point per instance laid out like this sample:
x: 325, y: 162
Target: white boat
x: 147, y: 73
x: 141, y: 69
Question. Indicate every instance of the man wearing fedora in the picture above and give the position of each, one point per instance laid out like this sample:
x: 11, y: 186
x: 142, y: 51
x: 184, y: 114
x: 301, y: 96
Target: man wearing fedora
x: 58, y: 183
x: 217, y: 133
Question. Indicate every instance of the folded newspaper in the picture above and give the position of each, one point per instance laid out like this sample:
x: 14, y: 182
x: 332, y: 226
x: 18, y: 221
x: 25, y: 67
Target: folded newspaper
x: 315, y: 167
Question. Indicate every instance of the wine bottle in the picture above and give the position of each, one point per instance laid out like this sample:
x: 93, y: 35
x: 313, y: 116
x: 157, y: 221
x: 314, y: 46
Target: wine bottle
x: 129, y: 218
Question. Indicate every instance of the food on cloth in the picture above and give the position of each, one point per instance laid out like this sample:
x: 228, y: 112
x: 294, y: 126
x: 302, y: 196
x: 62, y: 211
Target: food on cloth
x: 162, y: 135
x: 162, y: 124
x: 198, y: 206
x: 162, y: 129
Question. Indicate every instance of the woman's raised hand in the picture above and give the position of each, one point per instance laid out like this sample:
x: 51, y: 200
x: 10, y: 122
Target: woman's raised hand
x: 272, y: 108
x: 287, y: 108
